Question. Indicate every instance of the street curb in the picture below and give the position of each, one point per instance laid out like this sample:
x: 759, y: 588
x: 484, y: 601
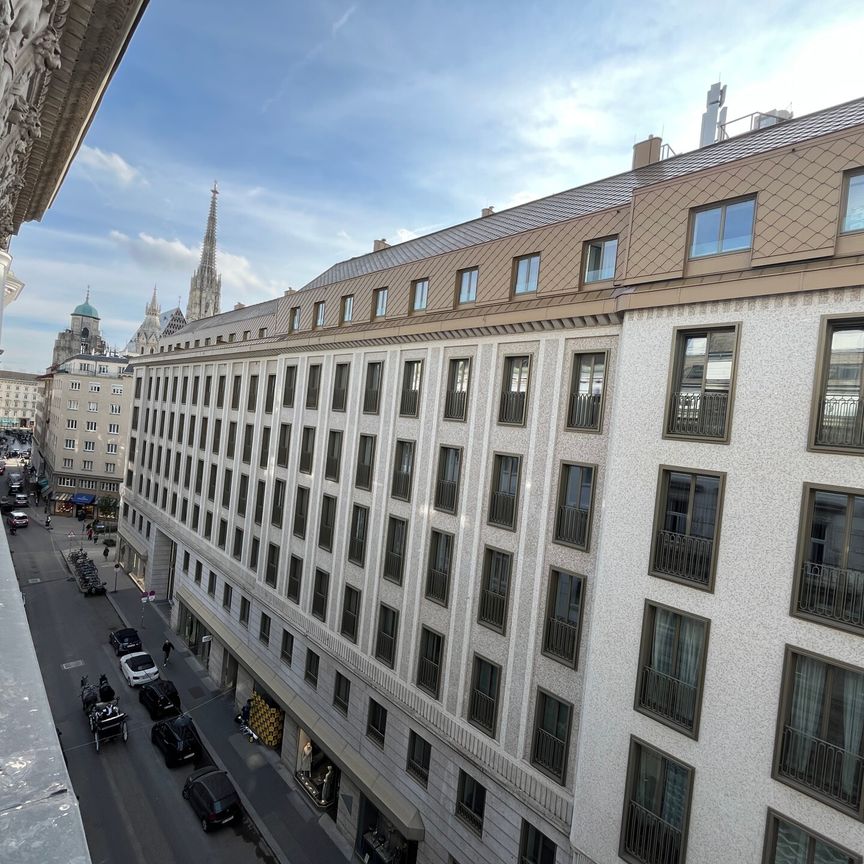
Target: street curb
x: 260, y: 824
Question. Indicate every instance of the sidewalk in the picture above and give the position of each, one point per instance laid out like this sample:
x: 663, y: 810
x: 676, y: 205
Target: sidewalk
x: 295, y: 832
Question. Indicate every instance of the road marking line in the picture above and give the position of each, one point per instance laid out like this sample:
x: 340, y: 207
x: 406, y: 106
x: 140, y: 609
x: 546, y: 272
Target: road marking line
x: 72, y: 665
x: 33, y: 581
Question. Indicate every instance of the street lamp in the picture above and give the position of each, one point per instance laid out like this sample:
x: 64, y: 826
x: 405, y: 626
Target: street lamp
x: 116, y: 571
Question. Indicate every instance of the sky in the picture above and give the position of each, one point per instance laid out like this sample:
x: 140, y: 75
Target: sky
x: 330, y: 123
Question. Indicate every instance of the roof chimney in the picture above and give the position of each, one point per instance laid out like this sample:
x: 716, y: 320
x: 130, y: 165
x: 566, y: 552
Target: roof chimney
x: 378, y: 245
x: 646, y: 152
x: 239, y: 306
x: 487, y: 211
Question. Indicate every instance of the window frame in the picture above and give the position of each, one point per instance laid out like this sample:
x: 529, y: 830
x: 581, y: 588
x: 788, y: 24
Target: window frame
x: 495, y: 475
x: 563, y: 466
x: 340, y: 701
x: 413, y: 308
x: 474, y: 824
x: 720, y: 205
x: 769, y: 847
x: 506, y: 375
x: 346, y: 310
x: 514, y: 294
x: 476, y: 660
x: 373, y: 733
x: 460, y: 276
x: 400, y: 445
x: 350, y: 633
x: 377, y: 315
x: 574, y: 374
x: 543, y: 693
x: 447, y: 414
x: 413, y: 767
x: 844, y: 202
x: 585, y: 282
x: 485, y: 569
x: 554, y: 573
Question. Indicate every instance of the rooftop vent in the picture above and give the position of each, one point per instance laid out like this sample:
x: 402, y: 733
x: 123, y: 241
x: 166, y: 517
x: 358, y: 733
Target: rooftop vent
x: 239, y: 306
x: 647, y: 152
x: 378, y: 245
x: 487, y: 211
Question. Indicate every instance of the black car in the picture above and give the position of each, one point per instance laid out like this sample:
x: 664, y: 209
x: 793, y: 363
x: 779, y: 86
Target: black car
x: 212, y: 796
x: 178, y: 740
x: 124, y: 641
x: 160, y: 698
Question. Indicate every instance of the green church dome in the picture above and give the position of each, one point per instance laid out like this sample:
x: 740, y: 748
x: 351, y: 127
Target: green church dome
x: 86, y: 310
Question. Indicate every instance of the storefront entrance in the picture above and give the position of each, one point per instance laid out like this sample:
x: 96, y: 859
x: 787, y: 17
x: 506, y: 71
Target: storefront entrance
x: 193, y: 633
x: 317, y: 775
x: 378, y: 842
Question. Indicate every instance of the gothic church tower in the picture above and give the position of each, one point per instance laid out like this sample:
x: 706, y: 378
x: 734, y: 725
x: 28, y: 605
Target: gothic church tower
x: 205, y: 289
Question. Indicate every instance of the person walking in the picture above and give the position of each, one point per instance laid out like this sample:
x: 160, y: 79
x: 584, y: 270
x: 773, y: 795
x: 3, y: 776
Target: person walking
x: 167, y: 648
x: 48, y: 523
x: 105, y: 553
x: 89, y: 533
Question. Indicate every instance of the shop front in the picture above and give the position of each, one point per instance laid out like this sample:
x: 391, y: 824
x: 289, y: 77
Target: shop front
x: 63, y: 505
x: 378, y: 841
x: 317, y: 775
x: 134, y: 561
x: 194, y: 634
x: 84, y: 505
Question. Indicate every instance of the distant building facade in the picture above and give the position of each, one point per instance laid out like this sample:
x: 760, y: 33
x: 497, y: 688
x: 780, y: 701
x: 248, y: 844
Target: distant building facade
x: 156, y: 325
x: 82, y: 336
x: 19, y: 395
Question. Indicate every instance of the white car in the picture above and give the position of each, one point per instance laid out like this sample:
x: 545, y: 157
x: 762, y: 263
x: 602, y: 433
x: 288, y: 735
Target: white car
x: 138, y: 668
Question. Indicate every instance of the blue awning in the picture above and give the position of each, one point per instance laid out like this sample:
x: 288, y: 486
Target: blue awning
x: 81, y: 498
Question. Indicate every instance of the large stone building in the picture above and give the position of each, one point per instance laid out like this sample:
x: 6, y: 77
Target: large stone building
x: 19, y: 398
x: 82, y: 336
x: 155, y: 326
x: 539, y: 538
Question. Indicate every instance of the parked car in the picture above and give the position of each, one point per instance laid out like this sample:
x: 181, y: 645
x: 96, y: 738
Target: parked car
x: 18, y: 519
x: 124, y: 641
x: 212, y: 796
x: 21, y: 500
x: 178, y: 740
x: 160, y: 698
x: 7, y: 503
x: 103, y: 527
x: 138, y: 668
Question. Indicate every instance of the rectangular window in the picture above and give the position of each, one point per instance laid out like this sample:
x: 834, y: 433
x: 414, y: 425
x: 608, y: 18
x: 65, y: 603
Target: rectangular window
x: 839, y: 410
x: 438, y: 569
x: 295, y: 579
x: 242, y: 494
x: 295, y: 319
x: 853, y: 203
x: 327, y: 522
x: 403, y: 469
x: 318, y: 315
x: 419, y: 295
x: 526, y: 274
x: 483, y: 704
x: 69, y: 444
x: 504, y: 494
x: 409, y: 401
x: 722, y: 228
x: 537, y: 848
x: 346, y: 311
x: 419, y: 758
x: 494, y: 590
x: 254, y: 548
x: 278, y: 506
x: 310, y: 675
x: 198, y: 568
x: 357, y: 538
x: 584, y: 410
x: 217, y: 435
x: 573, y: 513
x: 235, y: 392
x: 470, y: 802
x: 466, y: 281
x: 365, y: 462
x: 385, y: 640
x: 289, y: 386
x: 244, y: 611
x: 90, y: 447
x: 313, y: 386
x: 787, y: 842
x: 671, y: 664
x: 271, y: 572
x: 301, y: 512
x: 220, y: 391
x: 223, y: 534
x: 372, y: 389
x: 456, y: 397
x: 260, y: 492
x: 264, y: 629
x: 379, y: 301
x: 394, y: 554
x: 447, y: 482
x: 231, y: 443
x: 73, y: 406
x: 286, y: 649
x: 656, y: 807
x: 564, y: 616
x: 687, y: 525
x: 830, y: 574
x: 514, y: 391
x: 226, y: 486
x: 600, y: 258
x: 68, y: 463
x: 551, y: 735
x: 350, y: 613
x: 247, y: 442
x: 283, y: 446
x: 334, y: 455
x: 320, y: 589
x: 211, y: 584
x: 237, y: 546
x: 700, y: 398
x: 376, y: 722
x: 307, y: 449
x: 264, y: 453
x: 429, y: 662
x: 340, y: 386
x: 91, y: 425
x: 341, y: 693
x: 87, y: 465
x: 270, y: 394
x: 114, y: 428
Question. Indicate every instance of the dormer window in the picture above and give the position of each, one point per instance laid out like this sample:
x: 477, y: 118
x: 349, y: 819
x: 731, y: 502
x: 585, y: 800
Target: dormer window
x: 722, y: 228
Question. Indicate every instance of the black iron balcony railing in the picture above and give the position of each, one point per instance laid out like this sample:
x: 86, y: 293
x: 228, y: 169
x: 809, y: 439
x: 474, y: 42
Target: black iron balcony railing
x: 469, y: 817
x: 340, y: 398
x: 482, y: 710
x: 683, y: 556
x: 418, y: 770
x: 428, y: 676
x: 385, y: 648
x: 833, y: 593
x: 502, y: 509
x: 584, y: 412
x: 408, y: 403
x: 401, y: 484
x: 561, y: 639
x: 668, y: 697
x: 571, y: 525
x: 548, y: 751
x: 512, y: 408
x: 312, y: 397
x: 437, y: 585
x: 356, y: 550
x: 825, y: 768
x: 325, y: 535
x: 375, y: 734
x: 319, y: 605
x: 650, y: 839
x: 370, y: 400
x: 701, y: 415
x: 455, y: 405
x: 840, y: 422
x: 331, y: 467
x: 492, y: 608
x: 393, y: 567
x: 306, y: 457
x: 364, y: 475
x: 445, y: 495
x: 300, y: 524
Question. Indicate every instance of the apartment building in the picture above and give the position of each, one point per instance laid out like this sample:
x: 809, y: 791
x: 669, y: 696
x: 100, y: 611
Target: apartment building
x: 538, y: 539
x: 81, y: 433
x: 19, y: 394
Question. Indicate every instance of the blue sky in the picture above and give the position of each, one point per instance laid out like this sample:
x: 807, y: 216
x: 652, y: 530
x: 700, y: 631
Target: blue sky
x: 329, y: 124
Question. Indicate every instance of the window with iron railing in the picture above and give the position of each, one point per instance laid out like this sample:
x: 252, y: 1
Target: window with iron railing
x: 456, y: 396
x: 313, y: 661
x: 409, y: 400
x: 483, y: 702
x: 839, y: 413
x: 403, y: 469
x: 788, y: 842
x: 260, y: 492
x: 438, y: 570
x: 295, y: 579
x: 320, y: 589
x: 270, y: 394
x: 307, y: 449
x: 283, y: 447
x: 700, y: 397
x: 278, y: 506
x: 419, y: 757
x: 264, y: 453
x: 470, y: 802
x: 820, y: 746
x: 514, y: 391
x: 271, y: 571
x: 286, y: 649
x: 341, y: 692
x: 671, y: 667
x: 429, y: 662
x: 494, y: 589
x: 365, y: 462
x: 564, y: 616
x: 334, y: 455
x: 573, y: 511
x: 551, y: 737
x: 357, y: 538
x: 584, y: 410
x: 830, y: 578
x: 686, y: 532
x: 505, y: 490
x: 313, y: 386
x: 251, y: 393
x: 394, y: 552
x: 447, y: 482
x: 327, y: 522
x: 385, y: 639
x: 289, y: 386
x: 535, y: 847
x: 350, y: 613
x: 301, y: 511
x: 248, y: 431
x: 656, y: 804
x: 372, y: 388
x: 340, y: 386
x: 376, y: 722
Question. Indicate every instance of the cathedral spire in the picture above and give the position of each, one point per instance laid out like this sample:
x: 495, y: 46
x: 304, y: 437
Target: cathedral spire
x: 205, y: 290
x: 153, y: 307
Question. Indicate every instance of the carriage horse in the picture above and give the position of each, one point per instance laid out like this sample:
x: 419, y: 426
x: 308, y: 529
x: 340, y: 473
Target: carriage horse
x: 99, y: 703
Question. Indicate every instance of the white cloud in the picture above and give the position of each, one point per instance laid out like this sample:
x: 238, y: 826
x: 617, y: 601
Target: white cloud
x: 112, y: 165
x: 157, y: 251
x: 340, y: 22
x: 403, y: 234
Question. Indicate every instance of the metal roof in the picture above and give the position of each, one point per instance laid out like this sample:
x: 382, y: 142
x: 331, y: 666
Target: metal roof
x: 601, y: 195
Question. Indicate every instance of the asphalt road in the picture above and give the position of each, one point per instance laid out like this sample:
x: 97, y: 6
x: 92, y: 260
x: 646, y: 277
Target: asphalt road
x: 131, y: 804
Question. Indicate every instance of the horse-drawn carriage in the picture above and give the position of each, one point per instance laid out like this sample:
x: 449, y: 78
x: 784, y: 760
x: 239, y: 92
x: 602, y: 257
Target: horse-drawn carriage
x: 99, y: 703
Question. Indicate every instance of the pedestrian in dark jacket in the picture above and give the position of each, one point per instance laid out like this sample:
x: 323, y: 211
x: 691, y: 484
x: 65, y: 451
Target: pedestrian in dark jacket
x: 105, y: 553
x: 167, y: 648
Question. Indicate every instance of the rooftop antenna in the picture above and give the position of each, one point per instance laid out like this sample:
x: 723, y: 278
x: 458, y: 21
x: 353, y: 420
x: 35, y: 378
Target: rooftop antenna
x: 714, y: 119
